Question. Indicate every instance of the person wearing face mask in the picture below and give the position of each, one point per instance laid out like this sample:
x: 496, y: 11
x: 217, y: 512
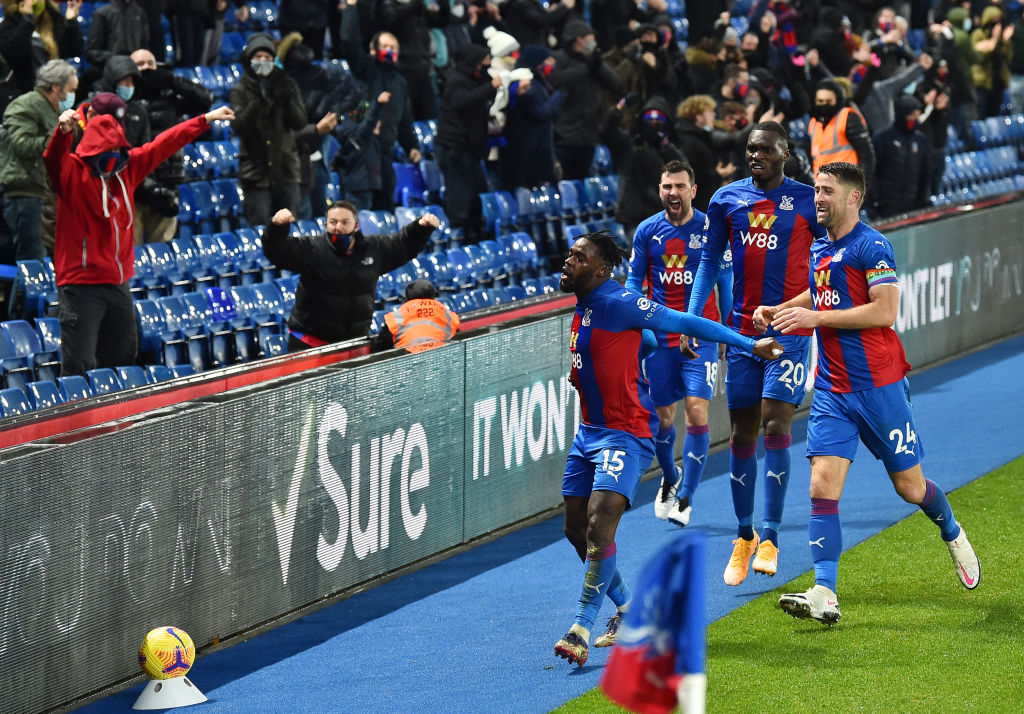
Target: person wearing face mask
x: 694, y: 125
x: 461, y: 141
x: 902, y: 167
x: 338, y: 271
x: 837, y: 132
x: 32, y: 33
x: 528, y: 157
x: 28, y: 122
x: 94, y: 252
x: 583, y: 76
x: 120, y: 75
x: 269, y: 111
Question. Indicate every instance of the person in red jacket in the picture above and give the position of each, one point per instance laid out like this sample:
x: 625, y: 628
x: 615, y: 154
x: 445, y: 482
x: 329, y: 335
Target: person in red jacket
x: 95, y: 184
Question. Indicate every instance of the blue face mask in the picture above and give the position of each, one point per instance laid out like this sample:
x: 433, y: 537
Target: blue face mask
x: 67, y: 103
x: 125, y: 93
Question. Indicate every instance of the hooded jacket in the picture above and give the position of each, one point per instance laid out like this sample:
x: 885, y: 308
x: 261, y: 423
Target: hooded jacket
x: 136, y: 119
x: 95, y: 215
x: 465, y: 103
x: 335, y: 297
x: 902, y: 164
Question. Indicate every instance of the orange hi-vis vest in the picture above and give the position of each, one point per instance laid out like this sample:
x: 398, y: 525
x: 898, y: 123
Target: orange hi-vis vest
x: 829, y: 143
x: 420, y: 325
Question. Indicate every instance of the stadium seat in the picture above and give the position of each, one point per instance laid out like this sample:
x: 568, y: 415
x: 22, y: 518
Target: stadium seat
x: 43, y: 393
x: 74, y: 387
x: 182, y: 370
x: 132, y: 376
x: 410, y: 188
x: 49, y: 332
x: 33, y: 289
x: 104, y: 380
x: 287, y: 286
x: 158, y: 373
x: 44, y: 364
x: 13, y: 402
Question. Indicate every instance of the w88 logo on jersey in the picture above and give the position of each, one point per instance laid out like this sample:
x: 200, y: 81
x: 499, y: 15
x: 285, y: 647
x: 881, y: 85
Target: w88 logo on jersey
x: 676, y: 277
x: 825, y: 298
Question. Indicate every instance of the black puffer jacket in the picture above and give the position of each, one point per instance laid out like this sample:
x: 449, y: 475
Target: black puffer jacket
x: 466, y: 103
x: 583, y: 79
x: 118, y: 28
x: 268, y: 112
x: 902, y: 164
x: 334, y: 300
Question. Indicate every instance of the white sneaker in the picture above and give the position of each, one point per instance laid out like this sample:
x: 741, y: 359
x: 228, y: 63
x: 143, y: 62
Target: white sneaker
x: 680, y: 513
x: 968, y: 567
x: 666, y: 497
x: 819, y: 603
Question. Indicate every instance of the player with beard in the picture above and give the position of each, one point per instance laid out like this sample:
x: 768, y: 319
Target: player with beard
x: 666, y: 252
x: 768, y: 222
x: 860, y: 387
x: 614, y: 443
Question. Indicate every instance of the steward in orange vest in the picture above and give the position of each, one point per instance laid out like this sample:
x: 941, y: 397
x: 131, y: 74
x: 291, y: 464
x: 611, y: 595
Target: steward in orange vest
x: 421, y: 323
x: 838, y: 132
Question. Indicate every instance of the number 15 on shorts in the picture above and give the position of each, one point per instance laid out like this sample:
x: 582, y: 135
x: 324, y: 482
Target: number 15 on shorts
x: 612, y: 463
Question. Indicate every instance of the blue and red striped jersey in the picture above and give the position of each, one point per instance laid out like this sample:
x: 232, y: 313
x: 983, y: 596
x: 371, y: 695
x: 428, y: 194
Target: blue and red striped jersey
x: 667, y: 256
x: 770, y: 234
x: 841, y: 274
x: 605, y: 348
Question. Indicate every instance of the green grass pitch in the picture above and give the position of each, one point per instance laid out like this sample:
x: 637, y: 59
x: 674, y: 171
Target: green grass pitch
x: 911, y: 638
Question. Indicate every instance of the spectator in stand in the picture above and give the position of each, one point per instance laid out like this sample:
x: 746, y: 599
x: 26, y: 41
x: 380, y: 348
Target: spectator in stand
x: 755, y: 54
x: 410, y: 21
x: 504, y: 51
x: 119, y: 76
x: 703, y: 59
x: 118, y: 28
x: 695, y: 122
x: 643, y: 72
x: 528, y: 158
x: 963, y: 97
x: 991, y: 73
x: 612, y: 16
x: 902, y: 169
x: 32, y: 34
x: 530, y: 23
x: 582, y: 75
x: 703, y: 15
x: 836, y: 42
x: 338, y: 271
x: 269, y: 113
x: 94, y: 184
x: 188, y: 25
x: 837, y: 132
x: 623, y: 58
x: 167, y: 99
x: 1017, y: 61
x: 307, y: 17
x: 735, y: 81
x: 379, y: 71
x: 875, y: 98
x: 639, y: 157
x: 154, y: 10
x: 888, y: 41
x: 215, y: 28
x: 358, y: 161
x: 933, y: 92
x: 28, y: 123
x: 422, y: 322
x: 461, y: 142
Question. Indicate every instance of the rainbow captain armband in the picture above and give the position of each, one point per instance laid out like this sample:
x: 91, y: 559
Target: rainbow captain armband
x: 880, y: 274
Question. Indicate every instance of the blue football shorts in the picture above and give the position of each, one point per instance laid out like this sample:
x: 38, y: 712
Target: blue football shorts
x: 749, y: 379
x: 672, y: 376
x: 882, y: 418
x: 603, y: 459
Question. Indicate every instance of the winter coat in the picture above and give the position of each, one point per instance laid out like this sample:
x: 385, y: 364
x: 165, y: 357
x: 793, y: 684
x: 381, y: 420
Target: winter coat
x: 695, y: 143
x: 358, y: 161
x: 25, y: 52
x: 902, y: 166
x: 118, y: 28
x: 94, y: 236
x: 303, y: 13
x: 396, y: 116
x: 335, y: 297
x: 28, y: 122
x: 530, y: 23
x: 268, y: 112
x: 528, y: 157
x: 465, y: 104
x: 410, y: 22
x: 582, y: 79
x: 992, y: 69
x: 136, y: 119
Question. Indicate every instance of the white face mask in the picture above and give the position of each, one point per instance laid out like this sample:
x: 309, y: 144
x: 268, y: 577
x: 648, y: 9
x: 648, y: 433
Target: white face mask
x: 262, y: 67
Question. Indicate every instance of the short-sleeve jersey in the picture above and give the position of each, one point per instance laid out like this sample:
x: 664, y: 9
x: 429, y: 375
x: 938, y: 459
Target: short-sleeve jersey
x: 841, y: 274
x: 770, y: 234
x: 605, y: 348
x: 667, y: 256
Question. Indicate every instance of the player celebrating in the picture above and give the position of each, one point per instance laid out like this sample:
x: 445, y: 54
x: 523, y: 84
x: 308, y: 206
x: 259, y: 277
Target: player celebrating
x: 666, y: 251
x: 768, y: 221
x: 613, y: 445
x: 860, y: 388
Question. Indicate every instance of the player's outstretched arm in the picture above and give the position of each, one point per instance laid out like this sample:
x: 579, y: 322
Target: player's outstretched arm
x: 704, y: 281
x: 668, y: 320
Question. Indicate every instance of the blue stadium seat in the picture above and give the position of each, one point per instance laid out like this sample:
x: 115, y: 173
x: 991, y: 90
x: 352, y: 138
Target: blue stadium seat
x: 182, y: 370
x: 424, y: 138
x: 514, y: 292
x: 74, y: 387
x: 410, y: 188
x: 288, y: 286
x: 132, y: 376
x: 532, y: 287
x: 104, y: 380
x: 572, y: 233
x: 508, y: 211
x: 602, y: 163
x: 462, y: 269
x: 45, y: 364
x: 13, y: 402
x: 491, y: 211
x: 158, y: 373
x: 33, y: 289
x: 481, y: 265
x: 49, y: 332
x: 43, y: 393
x: 433, y: 179
x: 273, y: 345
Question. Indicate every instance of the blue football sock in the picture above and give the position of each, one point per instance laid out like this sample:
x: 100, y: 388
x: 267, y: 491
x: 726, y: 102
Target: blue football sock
x: 618, y: 591
x: 826, y: 537
x: 936, y: 506
x: 600, y: 569
x: 664, y: 447
x: 742, y: 480
x: 695, y: 453
x: 776, y: 478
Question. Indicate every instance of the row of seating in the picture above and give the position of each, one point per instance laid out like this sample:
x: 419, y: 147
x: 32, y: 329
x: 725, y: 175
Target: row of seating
x: 27, y: 354
x: 967, y: 168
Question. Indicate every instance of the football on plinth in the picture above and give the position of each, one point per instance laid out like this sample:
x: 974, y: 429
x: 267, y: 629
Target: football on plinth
x: 166, y: 653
